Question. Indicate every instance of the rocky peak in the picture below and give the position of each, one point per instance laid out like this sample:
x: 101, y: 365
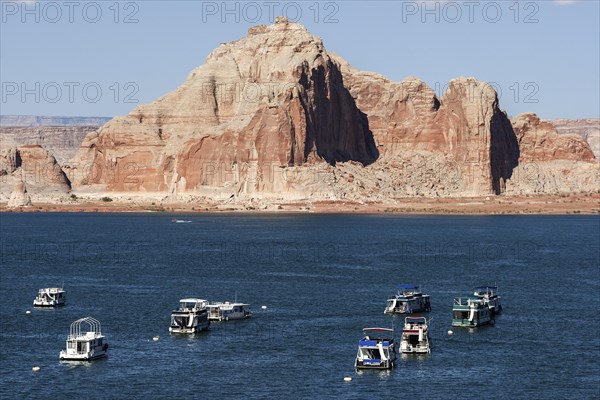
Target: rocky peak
x: 540, y: 141
x: 30, y: 169
x: 269, y: 50
x: 276, y: 101
x: 271, y: 99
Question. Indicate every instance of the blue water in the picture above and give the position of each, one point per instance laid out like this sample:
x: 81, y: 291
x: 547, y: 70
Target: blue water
x: 323, y: 279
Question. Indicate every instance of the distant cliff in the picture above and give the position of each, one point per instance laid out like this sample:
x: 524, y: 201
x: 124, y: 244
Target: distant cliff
x: 36, y: 121
x: 275, y: 117
x: 61, y: 136
x: 61, y: 141
x: 589, y: 129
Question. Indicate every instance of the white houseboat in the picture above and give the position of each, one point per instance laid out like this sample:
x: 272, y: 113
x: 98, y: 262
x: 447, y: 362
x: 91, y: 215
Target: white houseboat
x: 376, y: 350
x: 50, y: 297
x: 227, y: 311
x: 415, y: 336
x: 471, y: 312
x: 408, y: 300
x: 82, y: 344
x: 489, y: 294
x: 190, y: 317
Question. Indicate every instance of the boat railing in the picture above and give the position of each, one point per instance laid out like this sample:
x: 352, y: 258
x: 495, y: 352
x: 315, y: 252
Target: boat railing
x: 467, y: 301
x: 75, y: 331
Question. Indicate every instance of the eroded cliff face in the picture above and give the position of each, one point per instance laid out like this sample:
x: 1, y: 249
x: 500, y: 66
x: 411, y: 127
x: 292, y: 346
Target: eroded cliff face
x: 30, y: 173
x: 464, y: 138
x: 274, y: 99
x: 539, y: 141
x: 275, y: 115
x: 588, y: 129
x: 552, y: 163
x: 62, y: 141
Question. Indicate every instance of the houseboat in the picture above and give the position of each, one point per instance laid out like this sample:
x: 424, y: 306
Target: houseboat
x: 50, y: 297
x: 471, y: 312
x: 415, y: 336
x: 408, y: 300
x: 489, y: 294
x: 85, y: 341
x: 376, y: 350
x: 228, y: 311
x: 190, y: 317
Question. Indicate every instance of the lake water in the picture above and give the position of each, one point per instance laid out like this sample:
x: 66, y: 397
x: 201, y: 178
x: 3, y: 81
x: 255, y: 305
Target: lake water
x: 323, y: 278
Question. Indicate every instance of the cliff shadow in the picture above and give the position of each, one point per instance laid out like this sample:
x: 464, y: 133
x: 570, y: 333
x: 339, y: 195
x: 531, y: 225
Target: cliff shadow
x: 336, y: 126
x: 504, y: 151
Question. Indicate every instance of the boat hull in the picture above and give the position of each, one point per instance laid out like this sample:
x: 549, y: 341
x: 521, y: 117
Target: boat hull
x: 389, y: 364
x: 187, y: 331
x: 471, y: 324
x: 231, y: 317
x: 47, y: 305
x: 495, y: 307
x: 416, y: 305
x: 421, y: 351
x: 82, y: 357
x: 414, y: 350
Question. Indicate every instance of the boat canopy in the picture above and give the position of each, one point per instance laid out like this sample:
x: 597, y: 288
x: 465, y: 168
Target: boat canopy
x: 408, y: 287
x: 373, y: 343
x: 378, y: 330
x: 76, y: 328
x: 466, y: 300
x: 51, y: 290
x: 192, y: 300
x: 416, y: 319
x: 486, y: 288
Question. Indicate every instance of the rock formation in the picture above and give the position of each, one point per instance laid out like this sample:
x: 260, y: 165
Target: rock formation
x: 274, y: 99
x: 589, y: 129
x: 552, y: 163
x: 275, y: 115
x: 31, y: 171
x: 62, y: 141
x: 19, y: 196
x: 466, y: 126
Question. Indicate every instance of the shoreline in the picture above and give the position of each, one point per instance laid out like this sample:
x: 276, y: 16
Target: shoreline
x: 585, y: 204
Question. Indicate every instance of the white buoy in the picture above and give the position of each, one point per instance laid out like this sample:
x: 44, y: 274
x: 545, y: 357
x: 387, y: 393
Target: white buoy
x: 35, y: 369
x: 450, y: 332
x: 264, y: 307
x: 155, y: 338
x: 27, y: 312
x: 347, y: 379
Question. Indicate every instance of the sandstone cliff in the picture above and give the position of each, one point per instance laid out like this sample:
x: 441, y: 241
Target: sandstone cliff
x: 275, y: 99
x: 589, y: 129
x: 275, y: 115
x: 30, y: 173
x: 552, y: 163
x: 62, y: 141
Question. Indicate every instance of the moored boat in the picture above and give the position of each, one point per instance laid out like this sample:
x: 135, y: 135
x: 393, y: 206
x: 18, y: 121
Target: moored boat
x: 50, y: 297
x: 415, y: 336
x: 376, y: 350
x: 227, y: 311
x: 408, y: 300
x: 489, y: 294
x: 85, y: 345
x: 190, y: 317
x: 471, y: 312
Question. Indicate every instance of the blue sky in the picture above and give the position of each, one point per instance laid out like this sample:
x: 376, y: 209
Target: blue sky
x: 103, y: 58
